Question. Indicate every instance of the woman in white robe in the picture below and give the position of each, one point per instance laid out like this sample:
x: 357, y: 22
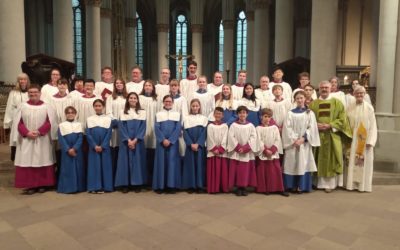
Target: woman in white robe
x: 361, y: 162
x: 16, y: 97
x: 299, y: 135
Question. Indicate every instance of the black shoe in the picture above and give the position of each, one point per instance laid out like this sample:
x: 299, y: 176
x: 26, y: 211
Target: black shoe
x: 244, y: 192
x: 286, y: 194
x: 29, y: 191
x: 238, y: 192
x: 137, y: 189
x: 190, y: 191
x: 125, y: 190
x: 267, y: 193
x: 41, y: 190
x: 159, y: 191
x: 200, y: 191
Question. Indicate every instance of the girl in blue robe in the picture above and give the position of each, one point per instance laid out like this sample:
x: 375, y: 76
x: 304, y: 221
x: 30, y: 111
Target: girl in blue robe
x: 98, y: 135
x: 194, y: 133
x: 167, y: 163
x: 228, y: 104
x: 131, y: 165
x: 72, y: 171
x: 252, y: 103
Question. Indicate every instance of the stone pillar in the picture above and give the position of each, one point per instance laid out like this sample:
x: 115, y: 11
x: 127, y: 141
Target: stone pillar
x: 227, y: 17
x: 197, y: 9
x: 250, y: 42
x: 374, y: 43
x: 284, y: 30
x: 12, y: 45
x: 323, y: 40
x: 130, y: 26
x: 93, y: 44
x: 261, y: 38
x: 162, y: 8
x: 63, y: 30
x: 106, y: 33
x: 396, y: 92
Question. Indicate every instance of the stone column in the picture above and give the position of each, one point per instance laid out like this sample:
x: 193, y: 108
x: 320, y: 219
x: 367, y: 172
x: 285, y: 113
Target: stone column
x: 162, y: 8
x: 130, y: 26
x: 261, y: 38
x: 323, y: 40
x: 396, y: 92
x: 284, y: 30
x: 197, y: 9
x: 63, y: 35
x: 250, y: 42
x: 227, y: 17
x: 93, y: 38
x: 106, y: 33
x: 12, y: 45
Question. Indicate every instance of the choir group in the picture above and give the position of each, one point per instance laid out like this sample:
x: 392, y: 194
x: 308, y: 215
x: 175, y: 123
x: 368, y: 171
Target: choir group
x: 189, y: 135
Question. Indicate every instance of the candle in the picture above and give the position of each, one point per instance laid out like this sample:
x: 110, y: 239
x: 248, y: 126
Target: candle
x: 227, y: 65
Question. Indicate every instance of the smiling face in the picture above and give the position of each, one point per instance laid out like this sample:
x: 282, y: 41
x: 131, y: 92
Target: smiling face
x: 98, y: 108
x: 165, y: 75
x: 132, y: 100
x: 34, y: 95
x: 70, y: 114
x: 55, y: 76
x: 324, y: 89
x: 300, y: 100
x: 192, y: 69
x: 62, y: 87
x: 217, y: 78
x: 226, y: 91
x: 195, y: 107
x: 107, y: 76
x: 277, y: 92
x: 242, y: 115
x: 265, y: 119
x: 23, y: 83
x: 89, y: 87
x: 304, y: 80
x: 78, y: 86
x: 119, y: 85
x: 359, y: 95
x: 202, y: 82
x: 242, y: 77
x: 168, y: 102
x: 148, y: 88
x: 218, y: 115
x: 278, y: 74
x: 249, y: 90
x: 264, y: 82
x: 136, y: 75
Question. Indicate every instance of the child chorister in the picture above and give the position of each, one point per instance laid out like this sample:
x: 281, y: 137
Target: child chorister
x: 228, y: 104
x: 194, y: 133
x: 269, y: 172
x: 167, y: 163
x: 242, y: 145
x: 131, y: 166
x: 299, y: 135
x: 217, y: 158
x: 72, y: 172
x: 98, y: 135
x: 205, y: 98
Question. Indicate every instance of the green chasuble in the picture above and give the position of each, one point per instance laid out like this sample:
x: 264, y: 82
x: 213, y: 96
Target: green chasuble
x: 329, y: 156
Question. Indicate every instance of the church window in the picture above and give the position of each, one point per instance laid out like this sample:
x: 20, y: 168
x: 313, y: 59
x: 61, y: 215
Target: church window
x: 79, y: 36
x: 241, y: 42
x: 139, y: 41
x: 221, y: 48
x: 181, y: 42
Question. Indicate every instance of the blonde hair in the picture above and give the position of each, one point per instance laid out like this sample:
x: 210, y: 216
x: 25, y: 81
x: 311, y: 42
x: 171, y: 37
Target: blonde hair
x: 19, y: 77
x: 221, y: 98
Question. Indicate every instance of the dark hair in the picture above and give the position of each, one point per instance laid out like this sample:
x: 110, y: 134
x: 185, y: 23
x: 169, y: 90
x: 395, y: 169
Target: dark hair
x: 267, y: 111
x: 219, y: 109
x: 35, y: 86
x: 137, y: 67
x: 192, y: 63
x: 89, y: 81
x: 153, y: 92
x: 105, y: 68
x: 63, y: 81
x: 299, y: 92
x: 276, y: 69
x: 70, y: 108
x: 115, y: 91
x: 253, y: 95
x: 76, y: 79
x: 100, y: 101
x: 276, y: 86
x: 127, y: 106
x: 309, y: 85
x: 242, y: 108
x: 191, y: 102
x: 168, y: 96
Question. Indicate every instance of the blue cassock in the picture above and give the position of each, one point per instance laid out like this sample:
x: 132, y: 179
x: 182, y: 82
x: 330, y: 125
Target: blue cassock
x: 254, y: 117
x: 167, y: 163
x: 194, y: 163
x: 229, y: 116
x: 100, y: 173
x: 72, y: 176
x: 131, y: 165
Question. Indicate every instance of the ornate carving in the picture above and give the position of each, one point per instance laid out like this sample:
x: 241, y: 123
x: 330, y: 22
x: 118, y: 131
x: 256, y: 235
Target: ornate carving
x: 198, y: 28
x: 105, y: 13
x: 162, y: 27
x: 95, y: 3
x: 130, y: 22
x: 228, y: 24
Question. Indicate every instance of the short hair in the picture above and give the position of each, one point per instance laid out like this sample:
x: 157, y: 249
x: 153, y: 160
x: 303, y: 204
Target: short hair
x: 242, y: 108
x: 137, y: 67
x: 324, y: 82
x: 59, y: 71
x: 334, y: 78
x: 105, y: 68
x: 168, y: 96
x: 89, y: 81
x: 267, y: 111
x: 277, y: 87
x: 242, y: 71
x: 192, y: 63
x: 63, y: 81
x: 99, y: 101
x: 202, y: 76
x: 359, y: 88
x: 308, y: 85
x: 304, y: 74
x: 264, y: 76
x: 217, y: 72
x: 34, y: 86
x: 276, y: 69
x: 219, y: 109
x: 299, y: 92
x: 70, y: 108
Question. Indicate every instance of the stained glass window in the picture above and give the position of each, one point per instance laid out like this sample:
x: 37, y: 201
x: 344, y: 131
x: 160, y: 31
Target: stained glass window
x: 221, y: 48
x: 79, y: 36
x: 181, y: 42
x: 241, y: 42
x: 139, y: 41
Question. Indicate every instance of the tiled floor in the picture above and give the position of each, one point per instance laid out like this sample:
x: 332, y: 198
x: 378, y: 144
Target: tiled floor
x: 340, y: 220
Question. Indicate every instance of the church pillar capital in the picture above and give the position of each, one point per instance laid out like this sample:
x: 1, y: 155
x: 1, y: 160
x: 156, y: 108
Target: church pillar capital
x: 162, y: 27
x: 197, y: 28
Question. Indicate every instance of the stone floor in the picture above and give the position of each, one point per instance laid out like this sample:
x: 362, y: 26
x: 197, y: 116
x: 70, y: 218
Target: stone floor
x: 340, y: 220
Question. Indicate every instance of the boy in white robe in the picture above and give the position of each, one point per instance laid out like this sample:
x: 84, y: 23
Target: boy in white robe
x: 277, y: 76
x: 206, y: 98
x: 280, y: 106
x: 84, y: 104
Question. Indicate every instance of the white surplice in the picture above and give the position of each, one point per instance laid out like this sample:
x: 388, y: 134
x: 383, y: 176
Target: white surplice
x: 268, y: 136
x: 287, y: 89
x: 114, y: 107
x: 242, y: 134
x: 151, y: 107
x: 280, y: 110
x: 217, y: 135
x: 136, y: 87
x: 15, y: 99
